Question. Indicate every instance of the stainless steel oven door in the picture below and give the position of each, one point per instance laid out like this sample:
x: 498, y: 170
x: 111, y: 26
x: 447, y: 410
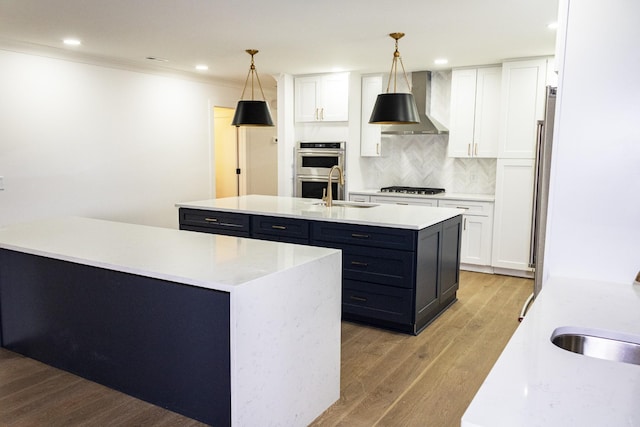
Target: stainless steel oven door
x: 318, y: 162
x: 310, y: 187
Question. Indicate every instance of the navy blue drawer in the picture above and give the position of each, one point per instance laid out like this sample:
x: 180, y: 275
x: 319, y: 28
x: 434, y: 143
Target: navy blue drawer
x: 351, y: 234
x: 280, y: 229
x: 383, y: 266
x: 377, y: 301
x: 215, y: 222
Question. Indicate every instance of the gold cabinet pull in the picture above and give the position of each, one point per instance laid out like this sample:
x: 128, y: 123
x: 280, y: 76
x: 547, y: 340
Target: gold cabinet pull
x: 360, y: 263
x: 360, y: 236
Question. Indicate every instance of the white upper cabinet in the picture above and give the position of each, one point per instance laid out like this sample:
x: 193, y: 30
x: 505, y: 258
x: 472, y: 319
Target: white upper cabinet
x: 322, y: 98
x: 370, y: 134
x: 475, y: 112
x: 523, y: 92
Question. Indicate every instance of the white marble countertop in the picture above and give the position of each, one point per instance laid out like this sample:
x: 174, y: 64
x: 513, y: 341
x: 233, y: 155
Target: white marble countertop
x: 383, y: 215
x: 535, y: 383
x: 442, y: 196
x: 210, y: 261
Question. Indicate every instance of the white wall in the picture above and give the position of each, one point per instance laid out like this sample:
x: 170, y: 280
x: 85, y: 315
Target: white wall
x: 594, y: 207
x: 286, y: 134
x: 88, y: 140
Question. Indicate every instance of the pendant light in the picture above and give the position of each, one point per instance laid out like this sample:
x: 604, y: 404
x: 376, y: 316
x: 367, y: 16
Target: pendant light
x: 252, y: 112
x: 394, y: 108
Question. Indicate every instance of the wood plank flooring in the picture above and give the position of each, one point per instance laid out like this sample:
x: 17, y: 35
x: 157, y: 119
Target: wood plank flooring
x: 388, y: 379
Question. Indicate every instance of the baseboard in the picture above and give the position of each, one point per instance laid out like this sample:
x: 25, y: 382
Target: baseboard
x: 497, y: 270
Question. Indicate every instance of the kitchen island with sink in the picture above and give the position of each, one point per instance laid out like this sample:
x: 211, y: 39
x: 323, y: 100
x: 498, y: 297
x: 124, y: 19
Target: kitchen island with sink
x: 225, y: 330
x: 400, y: 265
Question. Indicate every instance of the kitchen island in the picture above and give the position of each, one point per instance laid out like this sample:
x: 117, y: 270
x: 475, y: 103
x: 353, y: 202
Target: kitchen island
x: 224, y: 330
x: 400, y: 263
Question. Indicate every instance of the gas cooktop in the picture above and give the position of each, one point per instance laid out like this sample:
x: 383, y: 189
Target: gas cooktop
x: 412, y: 190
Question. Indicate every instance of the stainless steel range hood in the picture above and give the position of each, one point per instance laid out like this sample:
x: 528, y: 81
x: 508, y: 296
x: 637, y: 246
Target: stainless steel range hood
x: 421, y: 82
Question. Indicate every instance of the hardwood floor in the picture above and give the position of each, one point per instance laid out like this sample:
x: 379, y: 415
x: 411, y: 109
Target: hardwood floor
x: 388, y: 379
x: 391, y: 379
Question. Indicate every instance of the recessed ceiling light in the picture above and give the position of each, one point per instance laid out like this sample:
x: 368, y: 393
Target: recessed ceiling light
x: 72, y: 42
x: 552, y: 26
x: 202, y: 67
x: 441, y: 61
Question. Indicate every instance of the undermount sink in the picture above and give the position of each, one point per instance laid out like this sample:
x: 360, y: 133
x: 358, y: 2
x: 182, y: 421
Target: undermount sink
x: 348, y: 204
x: 600, y: 344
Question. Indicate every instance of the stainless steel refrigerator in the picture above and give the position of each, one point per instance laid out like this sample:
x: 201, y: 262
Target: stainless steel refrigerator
x: 541, y: 194
x: 541, y: 188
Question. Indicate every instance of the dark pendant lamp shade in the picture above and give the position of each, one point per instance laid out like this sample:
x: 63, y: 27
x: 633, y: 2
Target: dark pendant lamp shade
x: 395, y: 108
x: 252, y: 113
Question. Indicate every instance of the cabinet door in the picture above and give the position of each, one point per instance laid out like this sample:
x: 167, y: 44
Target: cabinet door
x: 370, y: 135
x: 306, y: 99
x: 330, y: 233
x: 322, y: 98
x: 476, y: 240
x: 463, y: 104
x: 477, y: 228
x: 450, y: 259
x: 487, y: 112
x: 334, y: 101
x: 513, y: 211
x: 227, y: 223
x: 280, y: 229
x: 404, y: 200
x: 523, y: 92
x: 359, y: 198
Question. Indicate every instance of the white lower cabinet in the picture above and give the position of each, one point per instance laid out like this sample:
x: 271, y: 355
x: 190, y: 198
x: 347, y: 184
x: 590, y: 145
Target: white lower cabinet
x: 404, y: 200
x: 359, y: 198
x: 513, y: 214
x: 477, y: 227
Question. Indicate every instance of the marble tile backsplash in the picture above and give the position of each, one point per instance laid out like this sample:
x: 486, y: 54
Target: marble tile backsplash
x: 422, y: 161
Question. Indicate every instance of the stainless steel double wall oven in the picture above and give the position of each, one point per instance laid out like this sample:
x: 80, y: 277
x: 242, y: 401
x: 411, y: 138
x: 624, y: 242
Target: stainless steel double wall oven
x: 313, y: 161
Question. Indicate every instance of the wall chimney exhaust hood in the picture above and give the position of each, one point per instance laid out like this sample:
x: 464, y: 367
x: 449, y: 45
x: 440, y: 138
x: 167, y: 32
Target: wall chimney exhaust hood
x: 421, y: 89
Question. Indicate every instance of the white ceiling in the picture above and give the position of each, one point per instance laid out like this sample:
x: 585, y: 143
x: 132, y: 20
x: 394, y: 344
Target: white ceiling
x: 293, y: 36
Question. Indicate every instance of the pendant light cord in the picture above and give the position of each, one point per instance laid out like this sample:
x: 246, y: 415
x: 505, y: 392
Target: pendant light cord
x: 252, y: 72
x: 394, y: 65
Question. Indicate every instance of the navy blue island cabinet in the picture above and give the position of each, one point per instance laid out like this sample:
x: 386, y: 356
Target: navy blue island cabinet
x: 125, y: 331
x: 395, y: 278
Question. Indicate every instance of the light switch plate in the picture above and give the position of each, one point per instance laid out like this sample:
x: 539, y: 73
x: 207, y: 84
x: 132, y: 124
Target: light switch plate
x: 1, y: 183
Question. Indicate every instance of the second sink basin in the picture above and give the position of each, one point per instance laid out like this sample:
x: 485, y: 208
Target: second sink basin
x: 600, y: 344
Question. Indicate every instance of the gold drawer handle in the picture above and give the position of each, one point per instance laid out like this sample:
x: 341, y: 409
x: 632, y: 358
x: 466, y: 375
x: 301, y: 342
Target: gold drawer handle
x: 360, y: 236
x: 278, y: 227
x: 357, y: 298
x: 360, y: 263
x: 211, y: 219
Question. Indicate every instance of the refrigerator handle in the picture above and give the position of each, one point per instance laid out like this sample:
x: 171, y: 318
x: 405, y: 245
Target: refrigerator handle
x: 536, y: 183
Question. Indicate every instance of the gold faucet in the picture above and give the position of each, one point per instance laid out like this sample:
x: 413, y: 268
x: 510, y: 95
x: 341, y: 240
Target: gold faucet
x: 328, y: 199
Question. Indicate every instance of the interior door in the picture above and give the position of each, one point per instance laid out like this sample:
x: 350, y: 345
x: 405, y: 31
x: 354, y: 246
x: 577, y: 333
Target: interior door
x: 225, y: 157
